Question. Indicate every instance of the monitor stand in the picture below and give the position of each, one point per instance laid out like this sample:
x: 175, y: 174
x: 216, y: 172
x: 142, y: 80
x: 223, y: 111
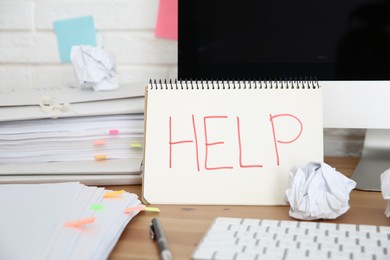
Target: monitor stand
x: 375, y: 160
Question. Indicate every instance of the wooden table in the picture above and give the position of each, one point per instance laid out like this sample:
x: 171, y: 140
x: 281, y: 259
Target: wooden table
x: 185, y: 225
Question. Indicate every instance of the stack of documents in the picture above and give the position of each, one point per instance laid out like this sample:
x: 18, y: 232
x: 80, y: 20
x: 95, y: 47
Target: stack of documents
x: 71, y: 139
x: 45, y: 221
x: 70, y: 134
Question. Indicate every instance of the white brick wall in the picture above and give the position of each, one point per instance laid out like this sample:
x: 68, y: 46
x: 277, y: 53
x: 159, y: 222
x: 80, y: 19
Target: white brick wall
x: 16, y: 15
x: 29, y: 50
x: 29, y: 54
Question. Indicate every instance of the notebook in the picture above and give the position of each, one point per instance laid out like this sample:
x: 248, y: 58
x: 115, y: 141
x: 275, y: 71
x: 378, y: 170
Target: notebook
x: 228, y: 142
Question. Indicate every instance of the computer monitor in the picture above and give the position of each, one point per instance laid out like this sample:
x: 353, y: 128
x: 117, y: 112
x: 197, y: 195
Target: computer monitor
x: 345, y: 45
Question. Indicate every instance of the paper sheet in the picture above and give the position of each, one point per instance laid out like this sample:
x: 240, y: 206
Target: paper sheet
x: 33, y: 218
x: 94, y: 67
x: 318, y: 191
x: 385, y: 188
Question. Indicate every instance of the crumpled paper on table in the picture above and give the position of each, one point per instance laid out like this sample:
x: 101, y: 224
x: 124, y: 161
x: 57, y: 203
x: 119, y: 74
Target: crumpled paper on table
x: 318, y: 191
x: 385, y: 188
x: 94, y: 67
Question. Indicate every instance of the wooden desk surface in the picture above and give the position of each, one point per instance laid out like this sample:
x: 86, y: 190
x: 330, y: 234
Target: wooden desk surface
x: 185, y: 225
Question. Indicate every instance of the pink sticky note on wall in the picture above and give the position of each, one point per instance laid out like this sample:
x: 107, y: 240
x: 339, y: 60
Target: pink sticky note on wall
x: 167, y: 19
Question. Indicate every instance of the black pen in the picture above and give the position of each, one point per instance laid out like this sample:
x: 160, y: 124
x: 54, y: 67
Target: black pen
x: 159, y: 236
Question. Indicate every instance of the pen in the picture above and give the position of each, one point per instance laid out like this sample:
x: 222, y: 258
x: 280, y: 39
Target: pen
x: 158, y: 235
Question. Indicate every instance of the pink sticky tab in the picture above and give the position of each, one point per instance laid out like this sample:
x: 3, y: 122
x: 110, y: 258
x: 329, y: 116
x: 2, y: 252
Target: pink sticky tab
x: 167, y: 19
x: 99, y: 142
x: 113, y: 132
x: 80, y: 222
x: 132, y: 209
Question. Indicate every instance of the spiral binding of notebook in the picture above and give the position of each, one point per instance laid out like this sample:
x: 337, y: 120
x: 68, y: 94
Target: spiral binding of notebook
x: 238, y: 84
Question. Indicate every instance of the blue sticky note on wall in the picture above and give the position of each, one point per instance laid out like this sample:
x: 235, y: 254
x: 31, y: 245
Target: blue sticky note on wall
x: 75, y: 31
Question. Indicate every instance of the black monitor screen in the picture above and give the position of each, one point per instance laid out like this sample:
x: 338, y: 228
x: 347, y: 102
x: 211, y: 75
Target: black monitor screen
x: 252, y: 39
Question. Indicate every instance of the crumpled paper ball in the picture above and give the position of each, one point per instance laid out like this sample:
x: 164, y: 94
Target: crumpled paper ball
x: 385, y: 188
x: 94, y: 67
x: 318, y: 191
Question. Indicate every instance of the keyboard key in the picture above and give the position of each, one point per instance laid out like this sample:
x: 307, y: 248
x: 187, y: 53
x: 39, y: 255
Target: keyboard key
x: 251, y: 222
x: 272, y: 253
x: 247, y: 241
x: 241, y: 234
x: 289, y: 224
x: 287, y: 244
x: 367, y: 228
x: 307, y: 225
x: 340, y: 255
x: 269, y: 223
x: 221, y: 233
x: 224, y: 255
x: 307, y: 245
x: 328, y: 226
x: 256, y: 249
x: 381, y: 257
x: 384, y: 229
x: 347, y: 227
x: 238, y: 227
x: 296, y: 254
x: 246, y: 256
x: 203, y: 254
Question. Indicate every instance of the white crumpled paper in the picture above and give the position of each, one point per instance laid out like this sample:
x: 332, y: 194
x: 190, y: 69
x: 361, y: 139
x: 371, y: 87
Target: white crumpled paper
x: 385, y: 187
x: 318, y: 191
x: 94, y: 67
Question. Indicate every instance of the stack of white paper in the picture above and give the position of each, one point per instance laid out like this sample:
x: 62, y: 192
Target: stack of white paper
x: 71, y: 139
x: 33, y: 218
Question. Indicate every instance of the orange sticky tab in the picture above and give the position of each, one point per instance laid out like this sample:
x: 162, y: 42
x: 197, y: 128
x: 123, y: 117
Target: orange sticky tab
x: 100, y: 157
x: 80, y: 222
x: 131, y: 209
x: 113, y: 132
x: 99, y: 142
x: 113, y: 193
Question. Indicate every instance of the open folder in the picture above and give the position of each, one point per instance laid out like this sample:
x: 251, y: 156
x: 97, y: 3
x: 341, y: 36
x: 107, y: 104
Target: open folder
x: 52, y: 135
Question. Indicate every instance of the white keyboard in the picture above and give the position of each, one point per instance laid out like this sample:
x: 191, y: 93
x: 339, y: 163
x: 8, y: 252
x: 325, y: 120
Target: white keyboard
x: 236, y: 238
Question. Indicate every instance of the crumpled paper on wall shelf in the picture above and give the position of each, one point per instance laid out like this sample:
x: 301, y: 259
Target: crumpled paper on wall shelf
x: 385, y: 188
x: 318, y: 191
x: 94, y: 67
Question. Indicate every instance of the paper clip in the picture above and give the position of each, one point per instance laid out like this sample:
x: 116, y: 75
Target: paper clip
x: 112, y: 194
x: 100, y: 157
x: 113, y: 131
x: 80, y: 222
x: 140, y: 208
x: 99, y: 142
